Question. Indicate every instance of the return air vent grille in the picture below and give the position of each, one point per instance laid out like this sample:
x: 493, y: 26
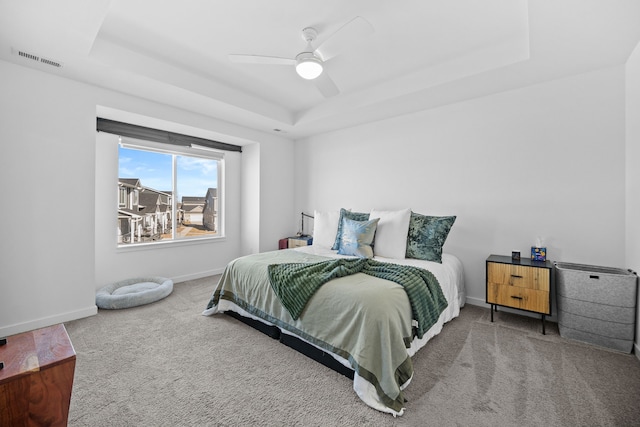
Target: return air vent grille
x: 37, y: 58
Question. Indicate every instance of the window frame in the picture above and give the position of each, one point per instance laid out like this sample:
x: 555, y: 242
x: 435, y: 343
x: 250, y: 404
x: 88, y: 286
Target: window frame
x: 175, y: 151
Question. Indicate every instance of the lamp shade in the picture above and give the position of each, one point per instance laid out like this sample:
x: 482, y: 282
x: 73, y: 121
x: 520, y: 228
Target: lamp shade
x: 308, y: 66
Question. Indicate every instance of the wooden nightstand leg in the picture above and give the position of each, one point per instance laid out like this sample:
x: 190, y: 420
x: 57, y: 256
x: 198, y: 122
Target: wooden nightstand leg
x: 492, y: 312
x: 543, y: 332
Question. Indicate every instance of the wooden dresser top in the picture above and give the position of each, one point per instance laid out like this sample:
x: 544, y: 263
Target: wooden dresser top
x: 35, y: 350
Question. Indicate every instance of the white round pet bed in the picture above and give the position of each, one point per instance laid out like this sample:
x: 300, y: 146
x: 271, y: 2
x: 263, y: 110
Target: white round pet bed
x: 133, y: 292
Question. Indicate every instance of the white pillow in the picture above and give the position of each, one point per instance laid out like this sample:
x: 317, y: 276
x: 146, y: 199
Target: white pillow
x: 391, y: 235
x: 325, y: 228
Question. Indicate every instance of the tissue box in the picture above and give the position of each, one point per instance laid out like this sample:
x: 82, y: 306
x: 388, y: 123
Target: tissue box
x: 538, y: 254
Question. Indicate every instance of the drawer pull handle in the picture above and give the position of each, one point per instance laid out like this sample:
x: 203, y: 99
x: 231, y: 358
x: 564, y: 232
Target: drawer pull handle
x: 515, y: 297
x: 591, y: 276
x: 517, y: 277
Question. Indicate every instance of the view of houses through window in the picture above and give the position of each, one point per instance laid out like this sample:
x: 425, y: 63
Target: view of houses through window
x: 166, y: 196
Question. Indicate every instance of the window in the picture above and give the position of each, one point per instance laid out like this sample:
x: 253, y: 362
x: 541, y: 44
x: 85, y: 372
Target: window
x: 168, y: 192
x: 122, y: 197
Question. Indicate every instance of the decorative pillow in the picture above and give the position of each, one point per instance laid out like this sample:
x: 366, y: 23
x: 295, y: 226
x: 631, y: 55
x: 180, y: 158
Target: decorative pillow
x: 427, y: 235
x: 356, y: 216
x: 357, y: 237
x: 391, y: 233
x: 325, y: 227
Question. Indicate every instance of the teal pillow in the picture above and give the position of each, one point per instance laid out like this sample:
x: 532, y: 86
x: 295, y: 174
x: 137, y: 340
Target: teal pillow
x: 427, y: 235
x: 357, y: 237
x: 356, y: 216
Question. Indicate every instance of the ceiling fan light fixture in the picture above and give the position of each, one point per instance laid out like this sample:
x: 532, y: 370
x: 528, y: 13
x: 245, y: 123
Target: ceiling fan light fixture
x: 308, y: 66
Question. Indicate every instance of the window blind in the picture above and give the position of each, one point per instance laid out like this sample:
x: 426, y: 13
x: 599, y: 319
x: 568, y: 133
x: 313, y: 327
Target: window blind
x: 162, y: 136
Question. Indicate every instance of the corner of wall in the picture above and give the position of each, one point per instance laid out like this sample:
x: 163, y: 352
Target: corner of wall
x: 632, y: 174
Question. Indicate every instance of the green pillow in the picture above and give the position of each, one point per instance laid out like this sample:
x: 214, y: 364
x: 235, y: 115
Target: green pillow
x: 427, y: 235
x: 357, y: 237
x: 356, y: 216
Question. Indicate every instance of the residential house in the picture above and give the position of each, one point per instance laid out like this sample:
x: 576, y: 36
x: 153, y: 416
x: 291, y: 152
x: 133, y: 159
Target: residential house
x: 210, y: 210
x: 191, y: 208
x: 143, y: 213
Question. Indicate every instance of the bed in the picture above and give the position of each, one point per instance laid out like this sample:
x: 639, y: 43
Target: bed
x: 366, y: 324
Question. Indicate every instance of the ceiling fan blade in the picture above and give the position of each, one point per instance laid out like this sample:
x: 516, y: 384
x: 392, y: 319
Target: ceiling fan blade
x: 349, y: 34
x: 326, y: 86
x: 258, y: 59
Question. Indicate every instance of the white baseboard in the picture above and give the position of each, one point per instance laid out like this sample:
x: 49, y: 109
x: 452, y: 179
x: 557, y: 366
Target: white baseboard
x: 198, y: 275
x: 477, y: 301
x: 43, y: 322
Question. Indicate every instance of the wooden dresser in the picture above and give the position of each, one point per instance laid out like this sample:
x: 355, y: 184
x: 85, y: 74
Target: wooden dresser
x: 37, y: 377
x: 523, y: 284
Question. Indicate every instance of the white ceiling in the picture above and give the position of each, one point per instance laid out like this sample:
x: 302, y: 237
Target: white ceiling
x: 423, y: 53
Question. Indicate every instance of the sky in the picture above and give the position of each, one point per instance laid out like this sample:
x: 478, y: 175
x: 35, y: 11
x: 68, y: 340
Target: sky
x: 195, y: 174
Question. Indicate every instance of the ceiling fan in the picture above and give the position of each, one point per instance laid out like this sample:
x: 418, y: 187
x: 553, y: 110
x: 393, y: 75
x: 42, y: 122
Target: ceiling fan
x: 309, y: 64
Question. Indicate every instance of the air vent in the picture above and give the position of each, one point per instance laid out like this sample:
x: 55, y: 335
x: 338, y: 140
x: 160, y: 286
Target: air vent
x: 28, y: 56
x: 50, y: 62
x: 36, y: 58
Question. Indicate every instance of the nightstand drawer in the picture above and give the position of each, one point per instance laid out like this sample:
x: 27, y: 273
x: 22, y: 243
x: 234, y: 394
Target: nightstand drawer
x: 518, y: 276
x: 518, y: 297
x: 296, y: 242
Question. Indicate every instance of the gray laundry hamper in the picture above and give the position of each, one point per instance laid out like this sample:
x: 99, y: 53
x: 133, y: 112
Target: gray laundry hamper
x: 597, y: 305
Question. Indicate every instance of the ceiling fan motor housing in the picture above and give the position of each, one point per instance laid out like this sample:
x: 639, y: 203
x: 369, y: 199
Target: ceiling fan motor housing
x: 308, y: 65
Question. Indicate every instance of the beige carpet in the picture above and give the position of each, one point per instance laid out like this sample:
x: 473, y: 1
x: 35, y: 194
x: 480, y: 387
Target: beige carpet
x: 166, y: 365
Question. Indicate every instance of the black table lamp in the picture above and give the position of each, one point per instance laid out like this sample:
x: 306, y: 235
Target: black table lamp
x: 302, y: 215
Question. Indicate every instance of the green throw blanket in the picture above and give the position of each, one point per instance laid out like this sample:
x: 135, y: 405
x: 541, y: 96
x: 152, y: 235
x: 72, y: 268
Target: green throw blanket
x: 295, y: 284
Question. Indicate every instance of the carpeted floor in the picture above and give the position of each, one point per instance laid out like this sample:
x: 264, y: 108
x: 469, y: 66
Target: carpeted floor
x: 164, y: 364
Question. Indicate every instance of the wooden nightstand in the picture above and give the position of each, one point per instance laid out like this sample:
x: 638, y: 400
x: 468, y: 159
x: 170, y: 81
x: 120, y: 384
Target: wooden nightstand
x: 295, y: 242
x: 522, y: 284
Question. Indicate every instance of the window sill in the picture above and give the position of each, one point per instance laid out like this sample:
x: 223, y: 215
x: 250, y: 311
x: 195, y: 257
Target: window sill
x: 132, y: 247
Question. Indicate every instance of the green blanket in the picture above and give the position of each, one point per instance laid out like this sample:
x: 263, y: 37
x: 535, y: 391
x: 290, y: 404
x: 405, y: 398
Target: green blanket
x: 295, y: 284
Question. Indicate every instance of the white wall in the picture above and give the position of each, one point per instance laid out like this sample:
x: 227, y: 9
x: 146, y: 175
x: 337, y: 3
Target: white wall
x: 545, y: 160
x: 632, y: 169
x: 267, y: 195
x: 47, y: 215
x: 250, y: 234
x: 277, y: 216
x: 59, y: 239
